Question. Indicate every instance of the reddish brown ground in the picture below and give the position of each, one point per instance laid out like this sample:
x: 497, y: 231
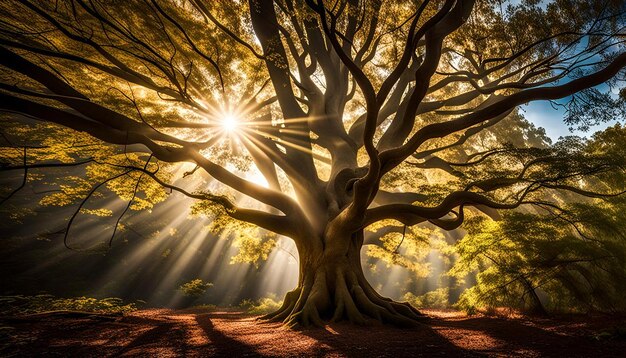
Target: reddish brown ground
x: 168, y: 333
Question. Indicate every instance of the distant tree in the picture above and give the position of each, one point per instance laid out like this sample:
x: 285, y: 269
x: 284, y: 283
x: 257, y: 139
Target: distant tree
x: 355, y: 114
x: 566, y: 257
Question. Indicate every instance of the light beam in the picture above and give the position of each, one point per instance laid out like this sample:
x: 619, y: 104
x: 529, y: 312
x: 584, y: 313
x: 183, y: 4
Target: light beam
x: 230, y: 123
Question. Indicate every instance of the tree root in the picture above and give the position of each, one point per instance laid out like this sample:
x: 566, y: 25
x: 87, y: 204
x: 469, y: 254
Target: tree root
x: 285, y: 309
x: 338, y: 294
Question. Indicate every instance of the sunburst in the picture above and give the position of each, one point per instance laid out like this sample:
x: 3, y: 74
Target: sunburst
x: 230, y: 123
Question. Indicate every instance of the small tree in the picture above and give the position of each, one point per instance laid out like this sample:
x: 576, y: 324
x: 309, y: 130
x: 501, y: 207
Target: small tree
x: 194, y: 288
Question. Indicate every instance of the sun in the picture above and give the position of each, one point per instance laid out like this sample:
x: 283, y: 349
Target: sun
x: 230, y: 123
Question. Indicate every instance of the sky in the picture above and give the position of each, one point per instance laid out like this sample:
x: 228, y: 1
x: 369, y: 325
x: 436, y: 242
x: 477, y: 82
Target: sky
x: 544, y: 114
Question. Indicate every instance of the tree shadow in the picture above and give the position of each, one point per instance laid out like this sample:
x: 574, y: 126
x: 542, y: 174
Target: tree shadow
x: 527, y: 337
x: 378, y: 340
x: 224, y: 345
x: 153, y: 336
x: 235, y: 334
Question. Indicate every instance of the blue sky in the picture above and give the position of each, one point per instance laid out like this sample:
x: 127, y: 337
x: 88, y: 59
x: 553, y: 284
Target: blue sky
x: 543, y: 114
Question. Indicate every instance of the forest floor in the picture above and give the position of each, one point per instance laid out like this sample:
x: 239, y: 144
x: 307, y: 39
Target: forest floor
x: 223, y: 333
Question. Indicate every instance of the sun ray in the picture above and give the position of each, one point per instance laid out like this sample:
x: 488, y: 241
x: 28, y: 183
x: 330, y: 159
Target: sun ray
x: 287, y: 121
x: 285, y: 143
x: 230, y: 123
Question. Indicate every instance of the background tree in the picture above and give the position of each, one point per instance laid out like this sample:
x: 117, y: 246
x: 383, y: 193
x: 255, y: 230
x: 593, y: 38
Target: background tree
x: 374, y: 113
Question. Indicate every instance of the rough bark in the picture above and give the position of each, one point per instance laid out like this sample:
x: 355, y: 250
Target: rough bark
x: 332, y: 287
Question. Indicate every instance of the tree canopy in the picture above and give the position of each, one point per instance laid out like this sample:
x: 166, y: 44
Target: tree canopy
x: 337, y: 124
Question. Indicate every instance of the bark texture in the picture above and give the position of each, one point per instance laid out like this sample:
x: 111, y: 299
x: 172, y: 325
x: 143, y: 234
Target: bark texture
x: 332, y: 287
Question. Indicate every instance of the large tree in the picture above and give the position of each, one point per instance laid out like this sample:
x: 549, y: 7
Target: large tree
x: 356, y: 114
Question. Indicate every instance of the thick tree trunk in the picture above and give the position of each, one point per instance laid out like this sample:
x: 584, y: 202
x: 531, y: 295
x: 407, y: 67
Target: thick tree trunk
x: 332, y: 287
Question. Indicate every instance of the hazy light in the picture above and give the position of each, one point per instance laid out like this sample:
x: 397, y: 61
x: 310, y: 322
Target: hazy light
x: 230, y: 123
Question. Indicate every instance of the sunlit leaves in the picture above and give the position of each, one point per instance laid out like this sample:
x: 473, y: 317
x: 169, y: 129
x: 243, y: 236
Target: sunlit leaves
x: 406, y: 247
x: 135, y: 185
x: 12, y: 305
x: 147, y: 193
x: 72, y: 191
x: 403, y: 178
x: 573, y: 260
x: 210, y: 209
x: 434, y: 299
x: 253, y: 244
x: 253, y: 247
x: 228, y: 153
x: 97, y: 212
x: 194, y: 288
x: 47, y: 142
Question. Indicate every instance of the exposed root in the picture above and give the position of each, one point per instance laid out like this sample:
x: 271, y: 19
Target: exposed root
x: 399, y: 308
x: 345, y: 303
x: 403, y: 309
x: 308, y: 316
x: 285, y: 309
x: 332, y: 295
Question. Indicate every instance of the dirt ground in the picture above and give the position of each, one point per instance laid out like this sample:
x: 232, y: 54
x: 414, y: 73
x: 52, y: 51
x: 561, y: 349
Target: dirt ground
x: 197, y: 333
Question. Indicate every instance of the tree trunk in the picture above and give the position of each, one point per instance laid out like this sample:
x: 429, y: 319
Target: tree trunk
x: 332, y: 287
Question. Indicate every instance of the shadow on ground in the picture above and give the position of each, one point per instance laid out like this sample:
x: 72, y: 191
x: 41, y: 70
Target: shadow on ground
x: 189, y: 333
